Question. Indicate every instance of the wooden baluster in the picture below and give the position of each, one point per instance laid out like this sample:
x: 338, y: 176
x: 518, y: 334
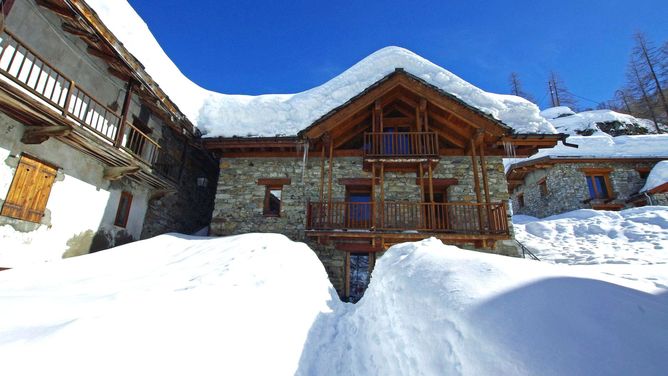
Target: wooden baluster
x: 68, y: 99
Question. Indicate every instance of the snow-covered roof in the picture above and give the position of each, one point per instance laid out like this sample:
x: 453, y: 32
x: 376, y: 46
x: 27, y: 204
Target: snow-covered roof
x: 567, y: 121
x: 657, y: 177
x: 217, y: 114
x: 603, y: 146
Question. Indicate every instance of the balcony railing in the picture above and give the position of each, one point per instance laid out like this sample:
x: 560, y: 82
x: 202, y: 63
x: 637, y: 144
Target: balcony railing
x: 400, y: 145
x: 27, y: 69
x: 459, y: 218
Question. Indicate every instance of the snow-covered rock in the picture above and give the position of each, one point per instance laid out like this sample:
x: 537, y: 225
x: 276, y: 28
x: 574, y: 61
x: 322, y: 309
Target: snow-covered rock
x: 587, y: 123
x: 658, y: 176
x: 286, y: 114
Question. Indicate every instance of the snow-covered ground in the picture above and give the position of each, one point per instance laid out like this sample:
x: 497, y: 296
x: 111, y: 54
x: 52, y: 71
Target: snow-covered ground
x: 261, y: 304
x: 630, y: 244
x: 219, y: 114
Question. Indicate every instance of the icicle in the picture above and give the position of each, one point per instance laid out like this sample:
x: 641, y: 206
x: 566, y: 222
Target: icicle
x: 510, y: 149
x: 305, y: 159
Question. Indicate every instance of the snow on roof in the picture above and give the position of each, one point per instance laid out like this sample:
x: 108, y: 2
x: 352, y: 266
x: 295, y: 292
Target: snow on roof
x: 555, y: 112
x: 603, y: 146
x: 217, y: 114
x: 567, y: 121
x: 658, y: 176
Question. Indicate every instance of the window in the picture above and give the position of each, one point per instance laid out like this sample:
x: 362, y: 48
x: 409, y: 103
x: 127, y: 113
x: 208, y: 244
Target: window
x: 272, y: 201
x: 643, y: 172
x: 123, y: 211
x: 30, y: 190
x: 542, y: 187
x: 598, y: 183
x: 273, y: 196
x: 520, y: 200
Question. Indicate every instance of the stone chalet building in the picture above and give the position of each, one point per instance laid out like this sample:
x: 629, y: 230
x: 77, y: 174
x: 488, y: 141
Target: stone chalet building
x: 93, y: 153
x: 554, y: 184
x: 400, y: 161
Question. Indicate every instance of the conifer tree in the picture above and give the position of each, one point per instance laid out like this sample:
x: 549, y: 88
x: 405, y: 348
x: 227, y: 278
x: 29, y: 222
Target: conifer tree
x: 516, y: 88
x: 650, y: 69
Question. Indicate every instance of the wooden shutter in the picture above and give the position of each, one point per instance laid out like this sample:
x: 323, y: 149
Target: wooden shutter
x: 30, y: 190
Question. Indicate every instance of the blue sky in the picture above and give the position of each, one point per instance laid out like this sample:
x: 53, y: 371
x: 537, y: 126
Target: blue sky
x: 260, y: 47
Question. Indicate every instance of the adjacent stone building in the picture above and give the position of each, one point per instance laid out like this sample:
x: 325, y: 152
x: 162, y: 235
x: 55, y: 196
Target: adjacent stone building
x: 400, y: 161
x: 598, y: 172
x: 93, y: 154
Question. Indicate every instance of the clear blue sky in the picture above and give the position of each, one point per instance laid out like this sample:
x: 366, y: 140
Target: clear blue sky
x: 259, y: 47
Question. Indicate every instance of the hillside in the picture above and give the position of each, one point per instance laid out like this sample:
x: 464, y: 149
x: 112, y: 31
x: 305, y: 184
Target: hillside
x: 261, y: 304
x: 596, y: 122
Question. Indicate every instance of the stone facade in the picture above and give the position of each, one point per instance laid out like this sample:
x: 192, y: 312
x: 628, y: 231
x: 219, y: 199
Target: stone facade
x: 240, y: 199
x: 567, y: 188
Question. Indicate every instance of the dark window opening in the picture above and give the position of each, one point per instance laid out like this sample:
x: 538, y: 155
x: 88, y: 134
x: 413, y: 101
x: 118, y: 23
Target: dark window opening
x: 520, y: 201
x: 542, y: 186
x: 358, y: 207
x: 396, y: 141
x: 272, y: 201
x: 359, y: 275
x: 123, y: 211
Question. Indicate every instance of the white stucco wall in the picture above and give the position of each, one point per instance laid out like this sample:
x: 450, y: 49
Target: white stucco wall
x: 81, y: 201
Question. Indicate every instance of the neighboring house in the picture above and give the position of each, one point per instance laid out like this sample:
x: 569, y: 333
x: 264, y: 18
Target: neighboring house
x: 93, y: 154
x: 402, y: 160
x: 603, y: 173
x: 655, y: 191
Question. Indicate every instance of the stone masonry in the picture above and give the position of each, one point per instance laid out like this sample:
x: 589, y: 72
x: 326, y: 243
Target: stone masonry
x: 567, y: 188
x: 239, y: 199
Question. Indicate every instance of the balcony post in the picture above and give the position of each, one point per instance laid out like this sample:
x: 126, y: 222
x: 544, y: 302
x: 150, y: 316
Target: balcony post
x: 476, y: 180
x: 373, y: 196
x: 483, y: 166
x: 329, y: 190
x: 432, y: 212
x: 70, y: 91
x: 124, y: 114
x: 382, y: 195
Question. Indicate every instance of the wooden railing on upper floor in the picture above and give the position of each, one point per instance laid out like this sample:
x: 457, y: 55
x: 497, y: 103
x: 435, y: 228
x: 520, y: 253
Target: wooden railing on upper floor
x: 27, y: 69
x: 400, y: 145
x: 452, y: 217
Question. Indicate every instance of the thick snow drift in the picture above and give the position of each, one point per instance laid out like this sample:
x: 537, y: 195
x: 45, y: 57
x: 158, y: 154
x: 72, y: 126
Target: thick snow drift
x: 566, y: 121
x: 631, y: 244
x: 171, y: 305
x: 656, y: 177
x: 261, y: 305
x: 286, y: 114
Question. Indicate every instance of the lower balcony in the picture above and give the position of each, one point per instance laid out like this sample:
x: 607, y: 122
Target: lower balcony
x: 474, y: 219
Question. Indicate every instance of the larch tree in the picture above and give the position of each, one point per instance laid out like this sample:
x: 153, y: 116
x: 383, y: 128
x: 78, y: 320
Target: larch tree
x: 638, y: 88
x: 559, y: 94
x: 650, y: 66
x: 516, y: 87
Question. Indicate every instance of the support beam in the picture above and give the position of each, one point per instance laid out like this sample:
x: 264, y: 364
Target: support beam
x: 115, y: 173
x: 37, y: 134
x: 124, y: 114
x: 329, y: 190
x: 322, y: 174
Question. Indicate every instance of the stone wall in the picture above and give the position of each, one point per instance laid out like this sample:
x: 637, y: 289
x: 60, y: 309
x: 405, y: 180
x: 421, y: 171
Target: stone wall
x: 567, y: 188
x: 240, y: 199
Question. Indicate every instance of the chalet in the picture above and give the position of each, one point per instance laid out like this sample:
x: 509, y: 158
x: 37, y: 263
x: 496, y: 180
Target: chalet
x: 605, y: 172
x: 402, y: 160
x: 92, y: 152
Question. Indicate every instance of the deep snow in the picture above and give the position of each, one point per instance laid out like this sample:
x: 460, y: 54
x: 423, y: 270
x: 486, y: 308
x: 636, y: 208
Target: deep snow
x: 219, y: 114
x: 656, y: 177
x: 261, y: 304
x: 631, y: 244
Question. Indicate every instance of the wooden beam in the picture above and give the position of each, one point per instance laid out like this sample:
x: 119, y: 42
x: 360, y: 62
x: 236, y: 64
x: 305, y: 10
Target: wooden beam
x: 274, y: 181
x: 438, y: 182
x: 59, y: 10
x: 38, y: 134
x: 104, y: 55
x: 322, y: 173
x: 78, y: 31
x: 358, y: 247
x: 115, y: 173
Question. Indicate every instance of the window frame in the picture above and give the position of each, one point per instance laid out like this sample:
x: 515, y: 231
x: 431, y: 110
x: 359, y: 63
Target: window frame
x: 272, y: 184
x: 122, y: 221
x: 590, y: 178
x: 542, y: 187
x: 520, y: 201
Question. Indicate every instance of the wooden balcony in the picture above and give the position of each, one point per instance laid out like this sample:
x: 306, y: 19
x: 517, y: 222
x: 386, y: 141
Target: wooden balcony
x: 25, y: 68
x: 453, y: 218
x: 397, y: 146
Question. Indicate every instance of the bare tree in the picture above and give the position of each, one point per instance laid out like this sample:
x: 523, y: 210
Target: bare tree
x: 516, y: 87
x: 648, y: 65
x: 559, y: 94
x: 638, y: 86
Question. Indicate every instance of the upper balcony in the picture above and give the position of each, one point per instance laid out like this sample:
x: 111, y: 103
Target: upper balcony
x: 25, y: 69
x: 400, y: 146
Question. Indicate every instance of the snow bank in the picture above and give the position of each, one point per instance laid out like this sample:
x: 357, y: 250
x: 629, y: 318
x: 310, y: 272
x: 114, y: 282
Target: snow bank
x: 631, y: 244
x: 656, y: 177
x: 565, y: 120
x: 286, y: 114
x: 433, y: 309
x: 171, y: 305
